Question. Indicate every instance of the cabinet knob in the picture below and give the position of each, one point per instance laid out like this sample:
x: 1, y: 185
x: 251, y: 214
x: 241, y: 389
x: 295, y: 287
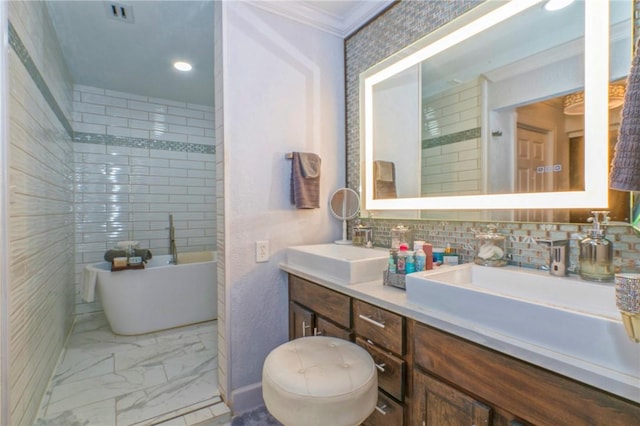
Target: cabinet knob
x: 381, y: 409
x: 372, y: 321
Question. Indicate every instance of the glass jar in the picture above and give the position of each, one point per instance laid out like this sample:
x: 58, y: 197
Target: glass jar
x: 491, y: 248
x: 400, y: 235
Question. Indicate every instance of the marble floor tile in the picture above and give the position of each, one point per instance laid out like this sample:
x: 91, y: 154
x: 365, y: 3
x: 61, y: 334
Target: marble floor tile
x: 149, y: 356
x: 105, y: 379
x: 82, y: 392
x: 76, y: 365
x: 190, y: 364
x: 101, y: 413
x: 158, y: 400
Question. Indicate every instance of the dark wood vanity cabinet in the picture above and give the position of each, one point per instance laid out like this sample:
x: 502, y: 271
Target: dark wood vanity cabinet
x: 382, y: 334
x: 427, y: 377
x: 315, y: 310
x: 459, y: 382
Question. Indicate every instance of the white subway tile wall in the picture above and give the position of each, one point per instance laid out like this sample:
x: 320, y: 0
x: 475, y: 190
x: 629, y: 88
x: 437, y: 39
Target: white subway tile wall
x: 40, y: 208
x: 137, y: 160
x: 451, y: 143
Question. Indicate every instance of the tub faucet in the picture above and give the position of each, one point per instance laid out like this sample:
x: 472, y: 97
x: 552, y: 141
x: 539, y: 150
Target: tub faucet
x: 173, y: 250
x: 558, y: 256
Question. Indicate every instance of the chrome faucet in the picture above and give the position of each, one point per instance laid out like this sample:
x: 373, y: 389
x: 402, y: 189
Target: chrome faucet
x: 558, y: 256
x: 173, y: 250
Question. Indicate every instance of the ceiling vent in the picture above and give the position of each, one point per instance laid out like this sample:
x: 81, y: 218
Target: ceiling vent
x: 119, y: 11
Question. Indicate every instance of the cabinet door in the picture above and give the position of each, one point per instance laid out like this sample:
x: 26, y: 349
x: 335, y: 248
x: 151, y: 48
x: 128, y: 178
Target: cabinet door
x: 438, y: 404
x: 327, y: 328
x: 301, y: 321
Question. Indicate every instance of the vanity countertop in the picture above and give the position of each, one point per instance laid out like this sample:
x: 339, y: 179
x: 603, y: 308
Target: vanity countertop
x: 395, y: 300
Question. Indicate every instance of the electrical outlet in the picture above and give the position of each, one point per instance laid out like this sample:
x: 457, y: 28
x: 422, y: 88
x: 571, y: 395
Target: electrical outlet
x: 262, y: 251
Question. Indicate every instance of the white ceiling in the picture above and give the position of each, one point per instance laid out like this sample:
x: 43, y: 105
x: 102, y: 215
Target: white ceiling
x: 136, y: 55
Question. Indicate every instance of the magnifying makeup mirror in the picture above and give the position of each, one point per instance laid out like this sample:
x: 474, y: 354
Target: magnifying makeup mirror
x: 344, y: 205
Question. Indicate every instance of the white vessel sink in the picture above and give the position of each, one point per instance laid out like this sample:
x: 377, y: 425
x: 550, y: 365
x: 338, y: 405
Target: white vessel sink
x: 567, y: 316
x: 345, y: 263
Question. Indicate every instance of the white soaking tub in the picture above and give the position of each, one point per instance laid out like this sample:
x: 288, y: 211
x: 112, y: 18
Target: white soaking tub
x: 160, y: 296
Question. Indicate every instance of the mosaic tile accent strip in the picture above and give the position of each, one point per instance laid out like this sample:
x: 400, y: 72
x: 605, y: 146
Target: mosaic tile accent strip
x: 94, y: 138
x: 23, y: 54
x: 464, y: 135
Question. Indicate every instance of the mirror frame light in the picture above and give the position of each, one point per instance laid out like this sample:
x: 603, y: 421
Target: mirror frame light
x: 596, y: 114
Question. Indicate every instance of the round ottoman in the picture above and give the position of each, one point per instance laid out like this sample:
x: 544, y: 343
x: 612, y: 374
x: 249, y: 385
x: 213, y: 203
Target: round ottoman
x: 319, y: 381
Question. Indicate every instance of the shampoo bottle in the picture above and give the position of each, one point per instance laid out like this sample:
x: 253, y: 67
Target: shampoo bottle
x: 596, y: 252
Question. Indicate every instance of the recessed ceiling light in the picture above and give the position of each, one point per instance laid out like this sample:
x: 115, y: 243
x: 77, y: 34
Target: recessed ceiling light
x: 552, y: 5
x: 182, y: 66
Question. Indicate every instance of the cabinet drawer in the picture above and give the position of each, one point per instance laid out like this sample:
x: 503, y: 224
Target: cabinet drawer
x: 387, y: 413
x: 324, y: 302
x: 391, y: 369
x: 382, y: 327
x: 327, y: 328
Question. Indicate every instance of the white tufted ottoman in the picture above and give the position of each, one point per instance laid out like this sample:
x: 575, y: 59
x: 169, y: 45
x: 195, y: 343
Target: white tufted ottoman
x: 319, y: 381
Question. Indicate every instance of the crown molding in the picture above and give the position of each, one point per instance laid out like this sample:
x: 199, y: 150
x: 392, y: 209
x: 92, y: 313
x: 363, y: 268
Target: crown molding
x: 342, y: 23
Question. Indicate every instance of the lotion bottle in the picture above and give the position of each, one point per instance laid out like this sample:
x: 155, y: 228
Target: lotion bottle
x: 596, y: 252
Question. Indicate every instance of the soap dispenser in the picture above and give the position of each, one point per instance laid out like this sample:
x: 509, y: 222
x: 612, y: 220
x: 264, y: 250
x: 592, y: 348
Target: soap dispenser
x: 596, y: 252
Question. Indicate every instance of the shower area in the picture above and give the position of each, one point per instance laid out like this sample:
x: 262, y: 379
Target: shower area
x: 95, y: 156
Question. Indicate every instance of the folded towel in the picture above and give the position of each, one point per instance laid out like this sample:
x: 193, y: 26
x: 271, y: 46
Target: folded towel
x: 384, y: 180
x: 385, y: 171
x: 111, y: 254
x: 89, y: 281
x: 145, y: 254
x: 305, y: 180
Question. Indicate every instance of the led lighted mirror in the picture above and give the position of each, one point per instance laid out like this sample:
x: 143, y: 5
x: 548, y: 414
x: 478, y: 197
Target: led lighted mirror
x: 446, y: 121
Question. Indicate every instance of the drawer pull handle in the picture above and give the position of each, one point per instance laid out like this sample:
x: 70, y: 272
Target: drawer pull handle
x: 317, y: 332
x: 381, y: 409
x: 380, y: 367
x: 304, y: 328
x: 372, y: 321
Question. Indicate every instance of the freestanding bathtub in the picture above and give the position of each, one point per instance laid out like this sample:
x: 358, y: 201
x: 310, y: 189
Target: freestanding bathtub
x: 161, y: 296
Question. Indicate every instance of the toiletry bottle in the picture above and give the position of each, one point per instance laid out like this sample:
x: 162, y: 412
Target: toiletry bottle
x: 421, y: 259
x: 392, y: 262
x: 410, y: 263
x: 402, y: 259
x: 428, y: 251
x: 596, y: 252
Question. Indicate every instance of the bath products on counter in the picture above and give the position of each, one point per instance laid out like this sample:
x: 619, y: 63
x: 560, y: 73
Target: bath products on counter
x: 596, y: 251
x: 450, y: 256
x: 410, y: 263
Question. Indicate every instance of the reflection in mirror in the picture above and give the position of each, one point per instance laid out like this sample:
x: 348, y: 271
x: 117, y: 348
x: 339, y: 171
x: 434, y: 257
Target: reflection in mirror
x: 487, y: 115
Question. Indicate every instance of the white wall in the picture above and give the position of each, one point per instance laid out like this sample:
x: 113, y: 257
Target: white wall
x: 40, y: 209
x: 283, y: 92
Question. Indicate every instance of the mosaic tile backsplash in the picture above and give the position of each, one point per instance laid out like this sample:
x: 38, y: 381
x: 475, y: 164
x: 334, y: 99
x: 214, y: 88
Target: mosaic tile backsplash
x: 402, y: 24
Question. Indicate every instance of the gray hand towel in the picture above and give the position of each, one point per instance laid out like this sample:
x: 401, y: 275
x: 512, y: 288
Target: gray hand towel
x: 384, y: 180
x: 305, y: 180
x: 145, y: 254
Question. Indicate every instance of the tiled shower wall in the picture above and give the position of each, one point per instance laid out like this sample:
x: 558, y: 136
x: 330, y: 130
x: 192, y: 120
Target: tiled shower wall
x: 402, y: 24
x: 137, y: 160
x: 40, y: 208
